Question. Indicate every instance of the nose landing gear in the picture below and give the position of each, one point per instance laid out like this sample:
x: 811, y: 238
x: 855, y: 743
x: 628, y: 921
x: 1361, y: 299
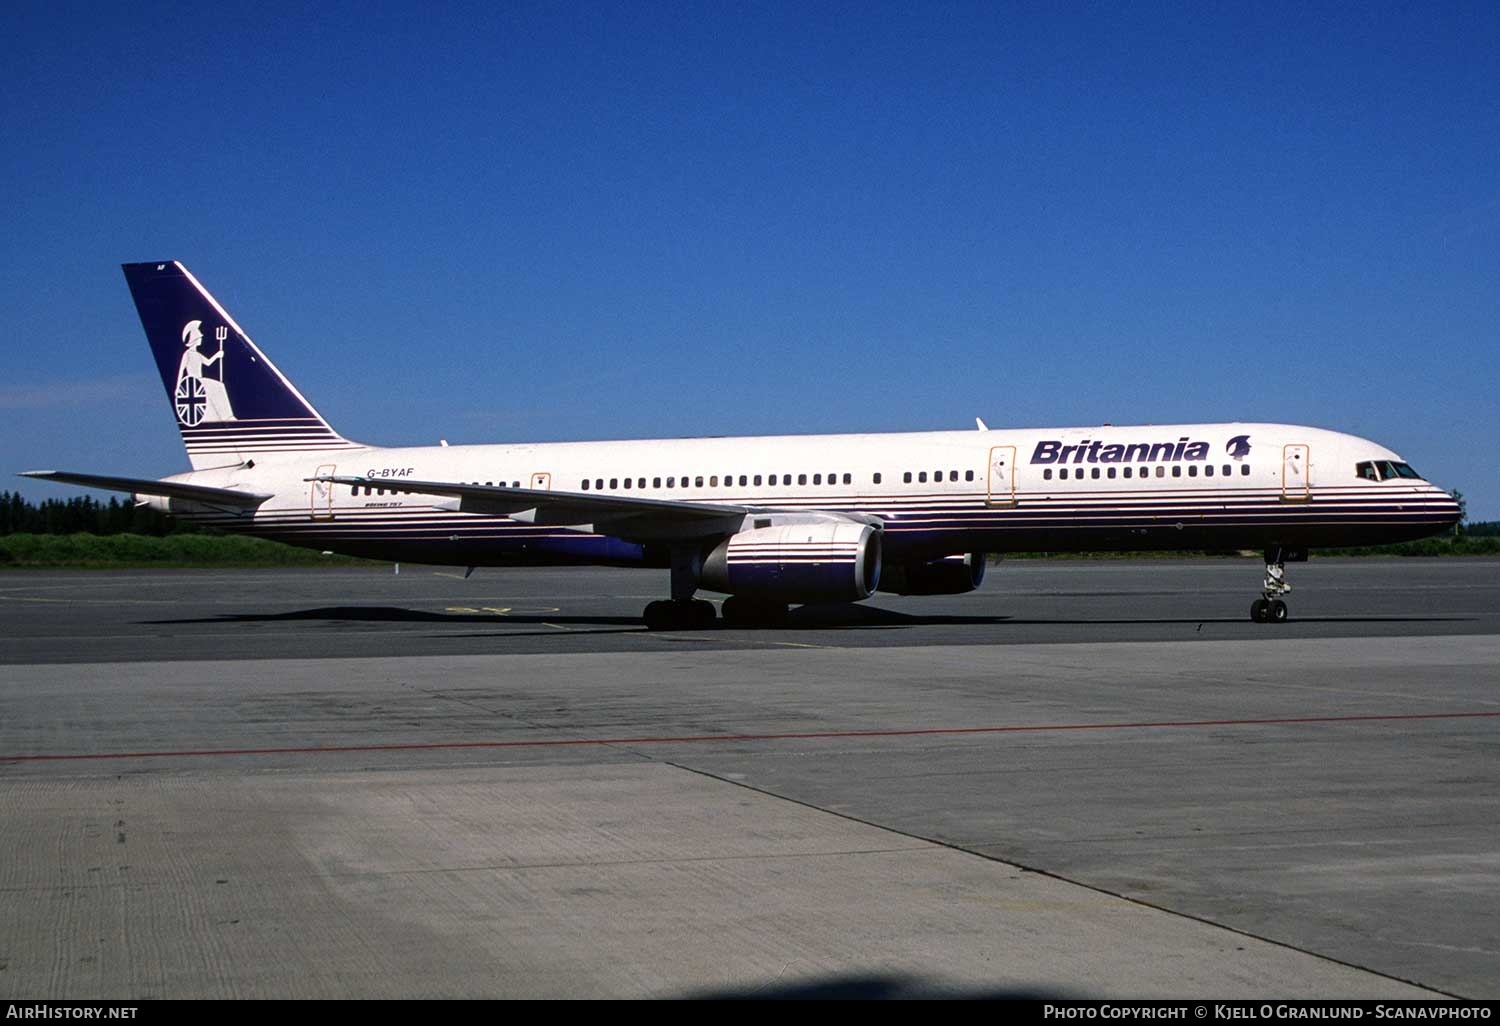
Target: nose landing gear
x: 1269, y: 608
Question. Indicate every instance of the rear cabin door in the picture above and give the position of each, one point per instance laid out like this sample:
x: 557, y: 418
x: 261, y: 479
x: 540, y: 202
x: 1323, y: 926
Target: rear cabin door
x: 321, y: 497
x: 1296, y: 470
x: 1002, y: 480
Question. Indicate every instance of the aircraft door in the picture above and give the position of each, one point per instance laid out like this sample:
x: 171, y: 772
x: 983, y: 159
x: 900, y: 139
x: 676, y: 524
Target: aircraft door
x: 320, y: 500
x: 541, y: 482
x: 1002, y: 476
x: 1296, y: 473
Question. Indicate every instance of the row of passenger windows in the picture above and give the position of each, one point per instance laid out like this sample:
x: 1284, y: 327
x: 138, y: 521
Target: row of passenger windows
x: 768, y: 480
x: 373, y: 490
x: 937, y: 476
x: 696, y: 481
x: 1109, y: 472
x: 920, y: 477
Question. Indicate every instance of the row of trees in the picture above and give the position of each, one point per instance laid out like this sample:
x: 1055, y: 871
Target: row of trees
x: 83, y: 514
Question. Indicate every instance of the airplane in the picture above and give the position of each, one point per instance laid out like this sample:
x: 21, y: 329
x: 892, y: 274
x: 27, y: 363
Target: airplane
x: 767, y: 521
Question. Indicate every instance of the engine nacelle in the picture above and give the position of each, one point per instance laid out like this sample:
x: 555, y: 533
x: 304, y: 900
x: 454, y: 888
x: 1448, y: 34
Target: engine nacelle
x: 828, y: 561
x: 952, y: 576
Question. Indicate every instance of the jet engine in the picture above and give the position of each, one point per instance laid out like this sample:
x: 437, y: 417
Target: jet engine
x: 830, y: 560
x: 951, y: 576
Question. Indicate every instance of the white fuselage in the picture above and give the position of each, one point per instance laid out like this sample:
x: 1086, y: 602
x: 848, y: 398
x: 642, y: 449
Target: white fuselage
x: 935, y: 493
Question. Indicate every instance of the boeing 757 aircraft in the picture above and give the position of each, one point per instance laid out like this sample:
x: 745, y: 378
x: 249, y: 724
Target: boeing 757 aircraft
x: 767, y: 521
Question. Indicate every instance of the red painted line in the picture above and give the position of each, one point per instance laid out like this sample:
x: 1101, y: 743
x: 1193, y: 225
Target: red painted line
x: 720, y: 738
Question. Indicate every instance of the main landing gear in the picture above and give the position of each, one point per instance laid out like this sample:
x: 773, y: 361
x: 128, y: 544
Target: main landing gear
x: 1269, y: 608
x: 682, y: 611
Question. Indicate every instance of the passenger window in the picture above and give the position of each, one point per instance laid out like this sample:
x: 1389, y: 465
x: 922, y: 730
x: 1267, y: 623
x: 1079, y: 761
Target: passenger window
x: 1128, y: 471
x: 656, y: 482
x: 849, y: 478
x: 1047, y: 474
x: 952, y: 475
x: 817, y: 479
x: 585, y: 484
x: 968, y: 475
x: 698, y: 482
x: 641, y: 482
x: 614, y: 483
x: 1244, y: 470
x: 671, y: 482
x: 786, y: 479
x: 1110, y: 473
x: 1161, y: 471
x: 1176, y: 470
x: 1095, y: 474
x: 1208, y: 471
x: 922, y: 477
x: 906, y: 477
x: 757, y: 480
x: 743, y: 479
x: 1063, y: 473
x: 1192, y: 470
x: 802, y: 479
x: 877, y: 477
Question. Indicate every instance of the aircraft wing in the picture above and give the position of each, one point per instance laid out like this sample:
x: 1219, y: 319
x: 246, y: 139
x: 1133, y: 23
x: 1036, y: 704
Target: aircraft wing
x: 150, y: 486
x: 624, y: 516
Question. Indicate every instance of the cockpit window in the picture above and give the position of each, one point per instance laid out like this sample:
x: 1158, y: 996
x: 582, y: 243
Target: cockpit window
x: 1385, y: 470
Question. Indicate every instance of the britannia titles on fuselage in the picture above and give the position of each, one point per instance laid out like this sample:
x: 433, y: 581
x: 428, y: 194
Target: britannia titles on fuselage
x: 1086, y: 451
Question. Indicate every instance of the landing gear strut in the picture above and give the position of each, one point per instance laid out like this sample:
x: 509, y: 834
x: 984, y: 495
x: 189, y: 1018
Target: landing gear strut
x: 1269, y: 608
x: 683, y: 611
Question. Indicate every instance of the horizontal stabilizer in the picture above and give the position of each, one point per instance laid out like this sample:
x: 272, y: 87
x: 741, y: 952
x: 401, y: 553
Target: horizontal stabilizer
x: 148, y: 486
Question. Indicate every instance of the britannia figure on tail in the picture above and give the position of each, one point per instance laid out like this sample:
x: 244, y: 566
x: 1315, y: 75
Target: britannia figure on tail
x: 198, y: 397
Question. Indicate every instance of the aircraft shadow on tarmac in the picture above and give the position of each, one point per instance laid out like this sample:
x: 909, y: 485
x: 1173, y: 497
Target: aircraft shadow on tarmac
x: 802, y: 618
x: 873, y: 987
x: 812, y: 617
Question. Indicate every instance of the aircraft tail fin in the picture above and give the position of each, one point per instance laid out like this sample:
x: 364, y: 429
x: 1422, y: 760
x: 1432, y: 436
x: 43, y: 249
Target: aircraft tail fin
x: 231, y: 403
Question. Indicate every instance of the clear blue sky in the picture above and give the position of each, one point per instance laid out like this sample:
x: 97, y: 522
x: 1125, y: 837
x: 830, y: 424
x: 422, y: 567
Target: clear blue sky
x: 515, y: 221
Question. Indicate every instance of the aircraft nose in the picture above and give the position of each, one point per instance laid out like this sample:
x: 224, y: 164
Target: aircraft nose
x: 1455, y: 512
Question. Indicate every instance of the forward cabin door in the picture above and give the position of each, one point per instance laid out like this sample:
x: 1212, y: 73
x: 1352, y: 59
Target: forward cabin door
x: 321, y: 497
x: 1296, y: 471
x: 1002, y: 480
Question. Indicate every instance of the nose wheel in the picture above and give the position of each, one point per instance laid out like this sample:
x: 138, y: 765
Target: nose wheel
x: 1268, y: 611
x: 1269, y: 608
